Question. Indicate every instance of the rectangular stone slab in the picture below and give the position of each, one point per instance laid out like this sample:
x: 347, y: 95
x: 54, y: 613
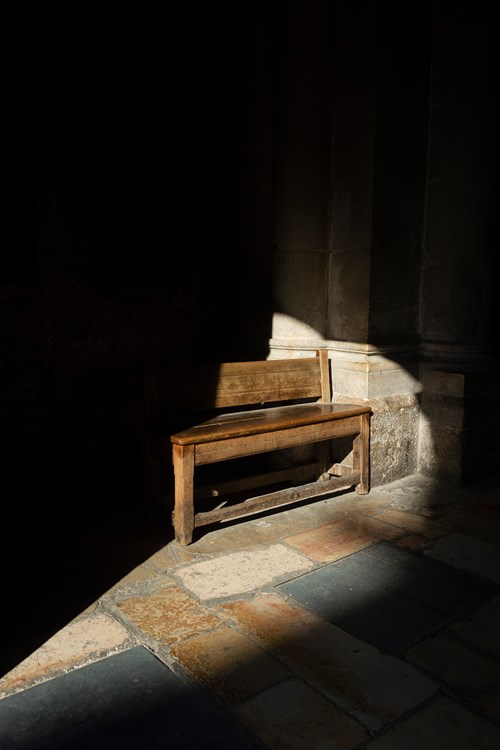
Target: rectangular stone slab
x: 389, y: 606
x: 129, y: 701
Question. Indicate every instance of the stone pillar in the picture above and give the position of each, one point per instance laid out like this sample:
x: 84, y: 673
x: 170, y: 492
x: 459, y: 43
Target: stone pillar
x: 458, y: 285
x: 459, y: 425
x: 460, y: 430
x: 301, y: 175
x: 379, y: 163
x: 349, y: 211
x: 384, y: 220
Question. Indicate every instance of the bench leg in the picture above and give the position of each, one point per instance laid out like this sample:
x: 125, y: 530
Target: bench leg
x: 361, y: 455
x: 183, y: 458
x: 323, y: 457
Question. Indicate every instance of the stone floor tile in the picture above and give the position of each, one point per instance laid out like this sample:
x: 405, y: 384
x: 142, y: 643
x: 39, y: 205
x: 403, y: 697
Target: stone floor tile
x: 170, y: 556
x: 84, y: 640
x: 443, y: 725
x: 340, y: 538
x: 490, y: 703
x: 346, y: 503
x: 262, y: 529
x: 416, y: 492
x: 434, y: 513
x: 465, y: 581
x: 447, y: 659
x: 411, y: 542
x: 482, y: 628
x: 168, y: 616
x: 476, y: 519
x: 383, y: 604
x: 372, y: 687
x: 229, y: 664
x: 266, y: 651
x: 414, y: 523
x: 293, y: 716
x: 141, y: 574
x: 240, y: 572
x: 468, y: 553
x: 128, y: 701
x: 269, y: 527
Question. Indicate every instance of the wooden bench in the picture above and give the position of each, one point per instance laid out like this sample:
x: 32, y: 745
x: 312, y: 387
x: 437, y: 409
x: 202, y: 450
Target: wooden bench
x: 255, y: 408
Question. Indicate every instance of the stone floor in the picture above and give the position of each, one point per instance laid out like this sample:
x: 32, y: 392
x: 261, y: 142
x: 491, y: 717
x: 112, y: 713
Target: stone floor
x: 349, y: 622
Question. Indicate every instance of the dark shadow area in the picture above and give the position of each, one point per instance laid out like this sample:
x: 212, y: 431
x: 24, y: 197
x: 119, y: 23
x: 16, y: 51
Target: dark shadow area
x: 70, y: 533
x: 391, y: 598
x: 125, y: 184
x: 132, y: 701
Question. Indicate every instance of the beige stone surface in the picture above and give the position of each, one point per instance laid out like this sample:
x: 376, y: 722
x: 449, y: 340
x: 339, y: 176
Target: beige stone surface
x: 449, y: 660
x: 340, y: 538
x: 414, y: 523
x: 171, y: 555
x: 415, y: 492
x: 373, y: 687
x: 141, y: 574
x: 241, y: 572
x: 81, y: 642
x: 411, y: 542
x: 292, y: 716
x: 282, y: 522
x: 168, y: 615
x: 229, y: 663
x: 444, y: 724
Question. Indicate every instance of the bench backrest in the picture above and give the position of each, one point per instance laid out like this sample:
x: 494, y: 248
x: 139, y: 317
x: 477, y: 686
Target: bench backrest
x: 170, y: 390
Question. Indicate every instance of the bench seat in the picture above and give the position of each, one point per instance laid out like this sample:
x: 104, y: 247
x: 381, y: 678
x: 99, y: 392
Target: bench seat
x: 272, y: 419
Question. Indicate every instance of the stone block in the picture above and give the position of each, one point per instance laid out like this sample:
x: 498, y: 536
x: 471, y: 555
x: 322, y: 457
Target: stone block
x: 455, y: 310
x: 300, y: 313
x: 394, y: 438
x: 351, y: 215
x: 348, y: 295
x: 304, y: 140
x: 460, y: 424
x: 356, y: 52
x: 353, y: 148
x: 440, y: 451
x: 302, y: 213
x: 443, y: 410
